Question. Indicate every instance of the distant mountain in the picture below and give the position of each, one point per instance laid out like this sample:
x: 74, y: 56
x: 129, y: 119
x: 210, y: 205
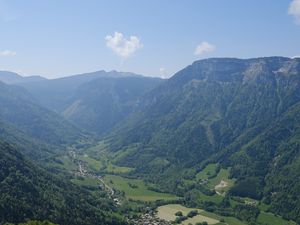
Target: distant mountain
x: 14, y: 78
x: 9, y: 77
x: 29, y: 192
x: 240, y: 113
x: 99, y: 104
x: 94, y: 101
x: 22, y: 118
x: 56, y: 94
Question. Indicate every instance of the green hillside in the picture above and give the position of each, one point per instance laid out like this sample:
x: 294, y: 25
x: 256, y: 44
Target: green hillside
x: 25, y: 122
x: 240, y: 113
x: 29, y: 192
x: 100, y: 104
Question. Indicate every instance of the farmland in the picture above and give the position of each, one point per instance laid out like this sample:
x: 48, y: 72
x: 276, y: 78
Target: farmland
x: 167, y: 212
x: 135, y: 189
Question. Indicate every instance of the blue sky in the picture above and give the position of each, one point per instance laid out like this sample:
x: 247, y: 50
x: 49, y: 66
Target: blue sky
x: 159, y: 37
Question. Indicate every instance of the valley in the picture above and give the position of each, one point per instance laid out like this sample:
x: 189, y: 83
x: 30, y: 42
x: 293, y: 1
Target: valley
x: 218, y: 143
x: 161, y: 112
x: 160, y: 207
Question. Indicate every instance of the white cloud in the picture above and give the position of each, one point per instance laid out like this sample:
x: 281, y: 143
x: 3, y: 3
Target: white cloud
x: 121, y: 46
x: 204, y: 47
x: 7, y: 53
x: 294, y: 10
x: 163, y: 72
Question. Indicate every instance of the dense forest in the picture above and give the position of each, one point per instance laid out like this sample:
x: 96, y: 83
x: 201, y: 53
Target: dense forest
x: 30, y: 192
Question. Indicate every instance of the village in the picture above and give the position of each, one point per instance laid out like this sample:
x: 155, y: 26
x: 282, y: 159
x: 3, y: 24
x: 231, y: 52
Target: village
x: 149, y: 219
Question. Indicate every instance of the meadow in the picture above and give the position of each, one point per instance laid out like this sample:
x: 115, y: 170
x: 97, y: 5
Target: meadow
x: 135, y: 189
x: 271, y: 219
x: 167, y: 212
x: 214, y: 179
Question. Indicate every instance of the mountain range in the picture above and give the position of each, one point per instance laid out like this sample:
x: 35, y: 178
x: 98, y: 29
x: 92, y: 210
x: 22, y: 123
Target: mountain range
x: 240, y: 114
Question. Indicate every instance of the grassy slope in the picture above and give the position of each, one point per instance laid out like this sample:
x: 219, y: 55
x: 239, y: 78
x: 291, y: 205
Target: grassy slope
x: 209, y: 170
x: 214, y: 179
x: 271, y: 219
x: 140, y: 192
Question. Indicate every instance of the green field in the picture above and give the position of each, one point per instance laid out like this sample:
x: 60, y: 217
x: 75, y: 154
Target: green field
x: 228, y: 220
x: 167, y: 212
x: 208, y: 171
x: 111, y: 168
x: 200, y: 218
x: 220, y: 182
x: 103, y: 165
x: 96, y: 149
x: 66, y: 163
x: 222, y: 175
x: 271, y: 219
x: 135, y: 189
x: 214, y: 198
x: 93, y: 164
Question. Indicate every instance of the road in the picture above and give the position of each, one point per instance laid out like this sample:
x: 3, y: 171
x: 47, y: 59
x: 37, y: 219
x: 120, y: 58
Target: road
x: 82, y: 171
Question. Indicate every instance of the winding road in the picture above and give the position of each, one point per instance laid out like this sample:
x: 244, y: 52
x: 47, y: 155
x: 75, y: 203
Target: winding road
x: 82, y: 171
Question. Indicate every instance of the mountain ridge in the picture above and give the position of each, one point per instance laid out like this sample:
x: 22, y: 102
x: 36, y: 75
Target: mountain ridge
x: 35, y: 124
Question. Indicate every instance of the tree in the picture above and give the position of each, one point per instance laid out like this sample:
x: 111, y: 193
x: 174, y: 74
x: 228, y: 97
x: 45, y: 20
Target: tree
x: 192, y: 213
x: 179, y: 213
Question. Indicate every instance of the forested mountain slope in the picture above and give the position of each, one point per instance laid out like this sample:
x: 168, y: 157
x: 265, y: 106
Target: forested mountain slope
x: 270, y: 165
x: 241, y: 113
x: 99, y: 104
x: 23, y: 119
x: 30, y: 146
x: 93, y: 101
x: 29, y: 192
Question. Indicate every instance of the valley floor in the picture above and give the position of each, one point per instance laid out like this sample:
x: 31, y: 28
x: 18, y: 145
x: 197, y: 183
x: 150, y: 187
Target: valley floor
x: 133, y: 193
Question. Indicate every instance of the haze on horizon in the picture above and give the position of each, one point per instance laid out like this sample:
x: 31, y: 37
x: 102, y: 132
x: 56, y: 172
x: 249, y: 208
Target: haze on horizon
x: 56, y: 38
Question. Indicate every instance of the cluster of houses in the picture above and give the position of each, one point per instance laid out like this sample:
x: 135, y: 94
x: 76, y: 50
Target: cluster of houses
x: 83, y: 172
x: 149, y: 219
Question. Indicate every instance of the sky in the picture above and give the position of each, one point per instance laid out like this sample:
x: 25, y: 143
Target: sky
x: 56, y: 38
